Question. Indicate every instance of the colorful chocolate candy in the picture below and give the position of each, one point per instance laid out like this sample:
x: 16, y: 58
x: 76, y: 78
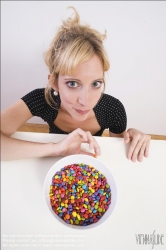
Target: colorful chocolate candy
x: 79, y: 194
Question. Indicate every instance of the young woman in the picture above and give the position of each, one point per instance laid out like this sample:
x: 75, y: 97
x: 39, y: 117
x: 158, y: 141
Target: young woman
x: 73, y: 102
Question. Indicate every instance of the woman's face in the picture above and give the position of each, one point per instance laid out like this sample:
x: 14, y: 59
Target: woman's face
x: 81, y: 91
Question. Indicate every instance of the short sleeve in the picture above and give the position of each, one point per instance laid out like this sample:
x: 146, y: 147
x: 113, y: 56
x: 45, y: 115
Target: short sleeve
x: 35, y: 101
x: 119, y: 123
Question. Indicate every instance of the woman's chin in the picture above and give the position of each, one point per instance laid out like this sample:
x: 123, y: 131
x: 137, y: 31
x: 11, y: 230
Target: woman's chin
x: 79, y: 117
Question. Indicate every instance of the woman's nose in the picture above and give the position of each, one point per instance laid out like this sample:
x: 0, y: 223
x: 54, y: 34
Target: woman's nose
x: 83, y: 98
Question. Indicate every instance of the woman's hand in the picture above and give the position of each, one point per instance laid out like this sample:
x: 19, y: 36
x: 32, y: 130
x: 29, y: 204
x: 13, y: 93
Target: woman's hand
x: 71, y: 144
x: 139, y: 145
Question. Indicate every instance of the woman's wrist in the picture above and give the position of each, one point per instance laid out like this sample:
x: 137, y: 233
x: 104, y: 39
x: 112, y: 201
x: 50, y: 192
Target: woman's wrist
x: 51, y: 149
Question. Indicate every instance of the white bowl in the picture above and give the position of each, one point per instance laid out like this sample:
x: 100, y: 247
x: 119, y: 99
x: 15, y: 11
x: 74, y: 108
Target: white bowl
x: 78, y: 158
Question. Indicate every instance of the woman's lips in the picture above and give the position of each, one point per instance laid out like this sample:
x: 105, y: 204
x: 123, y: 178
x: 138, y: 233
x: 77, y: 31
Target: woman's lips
x: 82, y: 112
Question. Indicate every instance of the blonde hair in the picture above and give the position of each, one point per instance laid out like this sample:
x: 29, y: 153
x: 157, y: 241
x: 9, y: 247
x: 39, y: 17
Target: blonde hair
x: 73, y: 44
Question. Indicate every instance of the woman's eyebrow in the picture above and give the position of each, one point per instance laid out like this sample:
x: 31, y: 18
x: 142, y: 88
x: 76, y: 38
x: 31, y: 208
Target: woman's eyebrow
x: 74, y: 79
x: 70, y: 78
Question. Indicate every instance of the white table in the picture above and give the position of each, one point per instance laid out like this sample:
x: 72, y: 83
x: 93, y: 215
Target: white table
x: 141, y: 205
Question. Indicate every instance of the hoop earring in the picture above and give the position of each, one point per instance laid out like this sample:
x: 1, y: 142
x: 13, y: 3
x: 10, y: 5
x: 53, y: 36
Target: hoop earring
x: 55, y: 93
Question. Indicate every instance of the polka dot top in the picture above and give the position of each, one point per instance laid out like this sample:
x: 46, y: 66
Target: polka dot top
x: 109, y: 111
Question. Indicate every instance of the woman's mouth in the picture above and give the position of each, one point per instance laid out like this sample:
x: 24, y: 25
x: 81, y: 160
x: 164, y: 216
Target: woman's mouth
x: 82, y: 112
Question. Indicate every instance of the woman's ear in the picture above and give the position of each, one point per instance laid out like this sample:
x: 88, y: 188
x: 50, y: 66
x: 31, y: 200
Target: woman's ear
x: 53, y: 82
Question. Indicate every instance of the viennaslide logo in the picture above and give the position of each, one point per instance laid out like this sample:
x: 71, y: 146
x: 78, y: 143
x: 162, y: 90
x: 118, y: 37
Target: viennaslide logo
x: 150, y: 239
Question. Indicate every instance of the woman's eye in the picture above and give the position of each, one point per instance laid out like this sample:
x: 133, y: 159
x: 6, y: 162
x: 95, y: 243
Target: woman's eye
x: 72, y: 84
x: 97, y: 84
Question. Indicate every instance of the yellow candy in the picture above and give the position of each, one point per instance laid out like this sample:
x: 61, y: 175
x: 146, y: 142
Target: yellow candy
x: 62, y: 204
x: 56, y: 176
x: 74, y: 214
x: 96, y: 176
x: 92, y: 183
x: 66, y: 205
x: 71, y: 222
x: 78, y: 217
x: 88, y: 174
x: 77, y: 208
x: 72, y: 197
x: 86, y: 199
x: 85, y: 205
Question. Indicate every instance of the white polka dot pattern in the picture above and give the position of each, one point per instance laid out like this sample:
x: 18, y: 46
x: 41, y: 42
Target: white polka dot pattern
x: 109, y: 111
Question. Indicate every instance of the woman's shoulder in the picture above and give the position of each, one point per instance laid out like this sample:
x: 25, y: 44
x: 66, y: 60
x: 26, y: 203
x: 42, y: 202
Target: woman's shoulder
x: 35, y: 93
x: 38, y: 96
x: 38, y: 106
x: 108, y: 101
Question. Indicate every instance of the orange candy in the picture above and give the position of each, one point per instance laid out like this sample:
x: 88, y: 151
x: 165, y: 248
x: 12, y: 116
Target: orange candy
x: 67, y: 216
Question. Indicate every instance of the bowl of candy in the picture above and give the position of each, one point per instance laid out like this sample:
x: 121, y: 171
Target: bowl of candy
x: 80, y: 191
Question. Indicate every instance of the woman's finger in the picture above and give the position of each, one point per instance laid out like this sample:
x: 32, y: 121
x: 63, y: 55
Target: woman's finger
x: 142, y: 151
x: 93, y: 143
x: 79, y: 134
x: 132, y: 146
x: 140, y: 145
x: 146, y: 153
x: 126, y: 137
x: 86, y: 153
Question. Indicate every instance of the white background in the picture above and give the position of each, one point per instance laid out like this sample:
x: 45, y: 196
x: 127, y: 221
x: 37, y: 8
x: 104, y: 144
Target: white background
x: 136, y: 45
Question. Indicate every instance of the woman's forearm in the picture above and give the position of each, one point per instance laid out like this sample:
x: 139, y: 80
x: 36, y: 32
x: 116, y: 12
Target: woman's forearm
x: 14, y: 149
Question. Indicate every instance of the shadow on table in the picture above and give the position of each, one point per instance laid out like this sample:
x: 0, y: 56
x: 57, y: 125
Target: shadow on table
x: 43, y: 165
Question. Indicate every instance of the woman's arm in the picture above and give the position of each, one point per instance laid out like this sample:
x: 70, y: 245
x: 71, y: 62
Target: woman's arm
x: 12, y: 149
x: 14, y: 117
x: 139, y: 146
x: 11, y: 119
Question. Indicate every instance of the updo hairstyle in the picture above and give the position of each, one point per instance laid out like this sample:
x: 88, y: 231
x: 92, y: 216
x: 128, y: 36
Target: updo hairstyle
x: 73, y: 44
